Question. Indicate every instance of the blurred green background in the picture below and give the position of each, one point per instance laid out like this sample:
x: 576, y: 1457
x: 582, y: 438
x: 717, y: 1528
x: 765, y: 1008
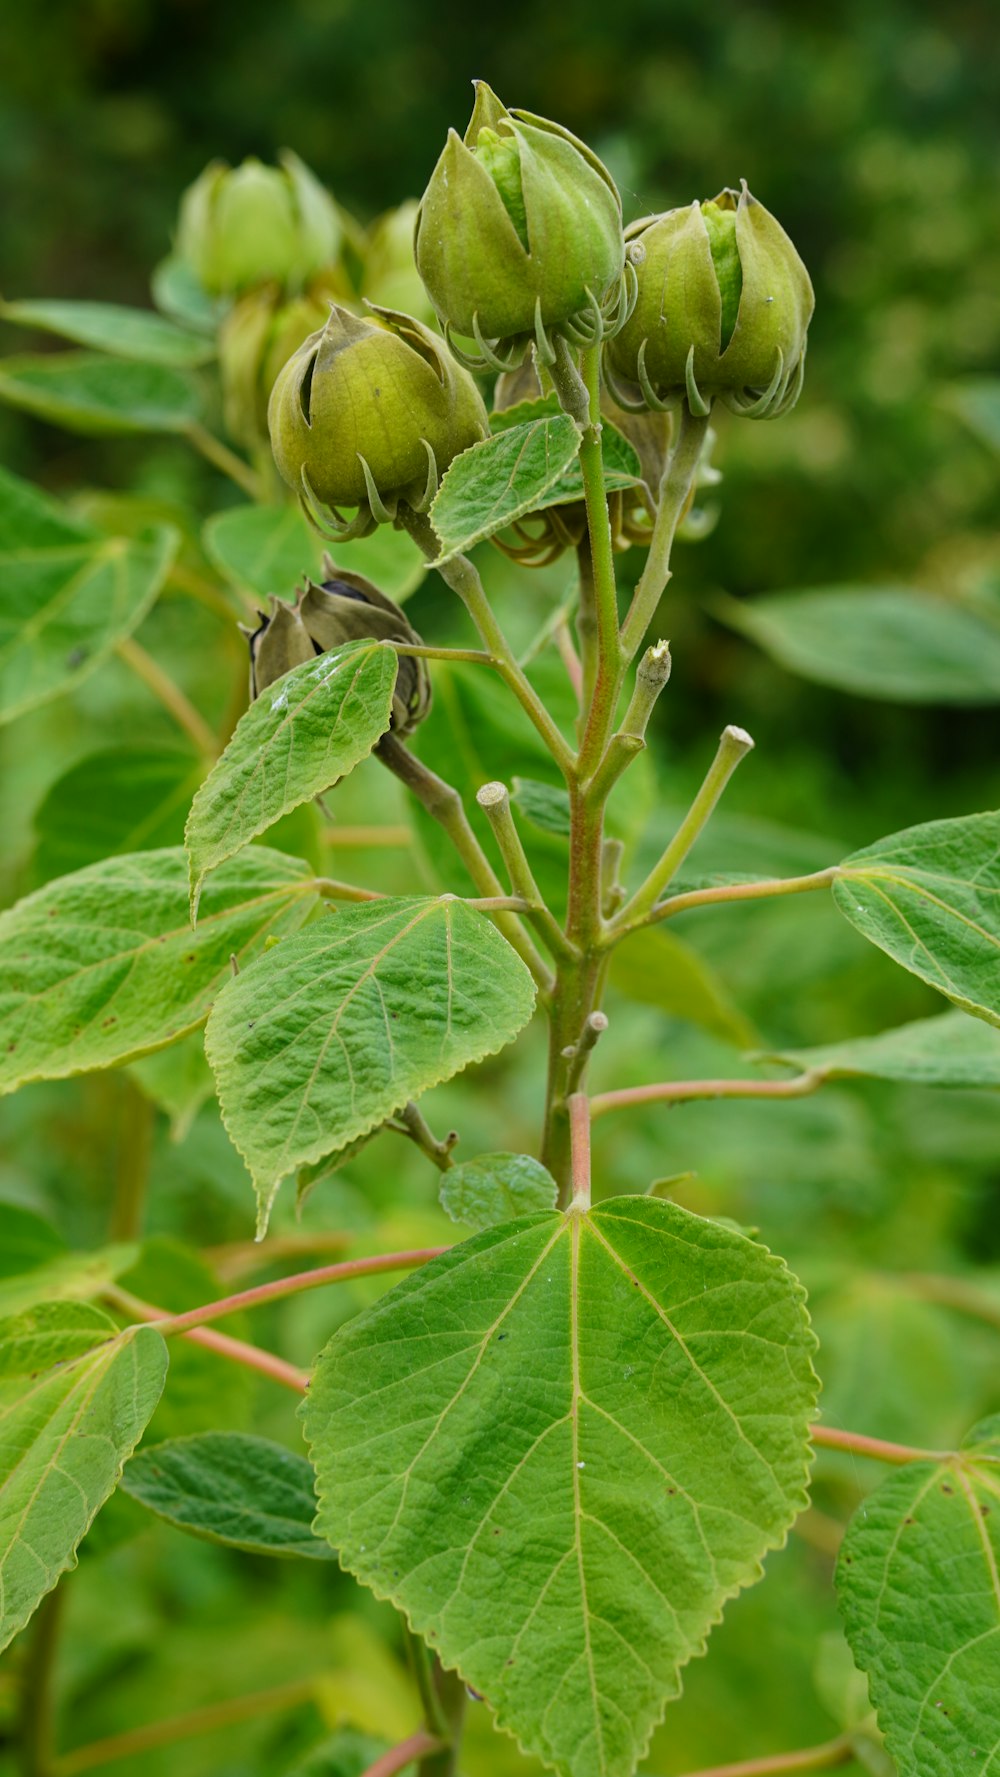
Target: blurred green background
x: 871, y: 130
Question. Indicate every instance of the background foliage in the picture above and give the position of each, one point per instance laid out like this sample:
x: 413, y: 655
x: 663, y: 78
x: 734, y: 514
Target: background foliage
x: 871, y: 132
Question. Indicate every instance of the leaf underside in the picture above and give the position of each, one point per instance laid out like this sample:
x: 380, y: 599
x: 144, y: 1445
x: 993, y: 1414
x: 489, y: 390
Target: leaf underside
x: 559, y: 1449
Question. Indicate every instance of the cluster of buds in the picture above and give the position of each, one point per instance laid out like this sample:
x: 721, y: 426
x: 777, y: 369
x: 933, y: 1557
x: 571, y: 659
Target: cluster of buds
x: 368, y: 413
x: 342, y: 608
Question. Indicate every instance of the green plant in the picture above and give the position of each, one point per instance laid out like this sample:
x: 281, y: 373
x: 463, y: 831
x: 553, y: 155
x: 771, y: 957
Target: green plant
x: 561, y: 1444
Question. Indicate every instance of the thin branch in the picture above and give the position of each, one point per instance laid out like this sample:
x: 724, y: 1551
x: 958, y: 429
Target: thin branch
x: 221, y: 457
x: 344, y: 891
x: 418, y: 1746
x: 734, y: 745
x: 494, y: 800
x: 783, y: 1764
x: 736, y: 891
x: 578, y: 1107
x: 476, y: 656
x: 683, y: 1091
x: 280, y: 1287
x: 252, y: 1357
x: 183, y: 1727
x: 169, y: 694
x: 954, y: 1292
x: 879, y: 1448
x: 674, y: 494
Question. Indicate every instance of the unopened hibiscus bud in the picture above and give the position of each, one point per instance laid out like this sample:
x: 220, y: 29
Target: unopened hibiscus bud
x: 723, y: 308
x: 343, y: 608
x: 254, y: 224
x: 519, y: 235
x: 369, y: 412
x: 256, y: 340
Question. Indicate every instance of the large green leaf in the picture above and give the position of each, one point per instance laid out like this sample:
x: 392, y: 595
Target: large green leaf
x: 120, y: 799
x: 930, y: 898
x: 124, y: 332
x: 919, y: 1591
x: 891, y: 642
x: 75, y: 1398
x: 66, y: 1277
x: 949, y: 1050
x: 335, y: 1029
x: 68, y: 593
x: 655, y: 968
x: 271, y: 548
x: 502, y: 479
x: 304, y: 733
x: 86, y: 392
x: 231, y: 1488
x: 99, y: 967
x: 559, y: 1449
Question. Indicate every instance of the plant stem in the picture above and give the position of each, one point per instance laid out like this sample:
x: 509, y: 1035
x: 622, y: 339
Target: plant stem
x: 418, y: 1747
x: 344, y: 891
x: 36, y: 1713
x: 280, y: 1287
x: 463, y: 579
x: 578, y: 1108
x: 652, y: 675
x: 494, y: 800
x: 879, y: 1448
x: 221, y: 457
x: 135, y: 1120
x: 442, y: 1760
x: 474, y: 656
x: 586, y: 628
x: 169, y: 694
x: 675, y: 490
x: 266, y: 1363
x: 444, y: 805
x: 683, y: 1091
x: 183, y: 1727
x: 734, y: 745
x: 732, y: 891
x: 412, y: 1123
x: 955, y: 1292
x: 783, y: 1764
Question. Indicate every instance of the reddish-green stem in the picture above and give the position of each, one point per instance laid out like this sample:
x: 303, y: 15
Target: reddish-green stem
x: 783, y: 1764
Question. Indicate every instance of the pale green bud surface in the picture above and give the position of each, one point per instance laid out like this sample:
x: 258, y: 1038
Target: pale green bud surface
x: 254, y: 224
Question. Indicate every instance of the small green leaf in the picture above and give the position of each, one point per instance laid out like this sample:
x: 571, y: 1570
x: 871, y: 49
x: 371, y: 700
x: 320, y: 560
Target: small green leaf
x: 622, y: 467
x: 95, y: 395
x: 177, y: 293
x: 270, y: 549
x: 653, y: 968
x: 930, y: 898
x: 896, y: 643
x: 75, y: 1398
x: 178, y: 1080
x: 546, y: 806
x: 951, y: 1049
x: 559, y: 1448
x: 68, y: 593
x: 117, y: 800
x: 66, y: 1277
x: 918, y: 1590
x: 496, y: 1188
x: 491, y: 484
x: 110, y: 327
x: 335, y: 1029
x: 228, y: 1487
x: 302, y: 735
x: 99, y: 967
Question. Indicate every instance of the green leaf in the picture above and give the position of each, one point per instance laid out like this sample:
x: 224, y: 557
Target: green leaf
x: 335, y: 1029
x: 491, y: 484
x: 622, y: 469
x: 920, y: 1597
x: 654, y: 968
x: 496, y: 1188
x: 68, y: 593
x: 99, y: 967
x: 272, y: 548
x: 75, y: 1398
x: 546, y: 806
x: 117, y: 800
x: 559, y: 1448
x: 231, y: 1488
x: 178, y: 1080
x: 110, y: 327
x: 177, y: 293
x: 88, y: 393
x: 896, y: 643
x: 977, y: 402
x: 304, y: 733
x: 949, y: 1050
x: 26, y: 1240
x: 66, y: 1277
x: 930, y: 898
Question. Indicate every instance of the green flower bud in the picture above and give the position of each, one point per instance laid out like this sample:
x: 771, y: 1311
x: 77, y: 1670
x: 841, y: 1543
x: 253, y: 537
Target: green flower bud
x: 256, y: 340
x: 390, y: 278
x: 254, y: 224
x: 344, y: 608
x: 369, y: 412
x: 519, y: 234
x: 723, y: 308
